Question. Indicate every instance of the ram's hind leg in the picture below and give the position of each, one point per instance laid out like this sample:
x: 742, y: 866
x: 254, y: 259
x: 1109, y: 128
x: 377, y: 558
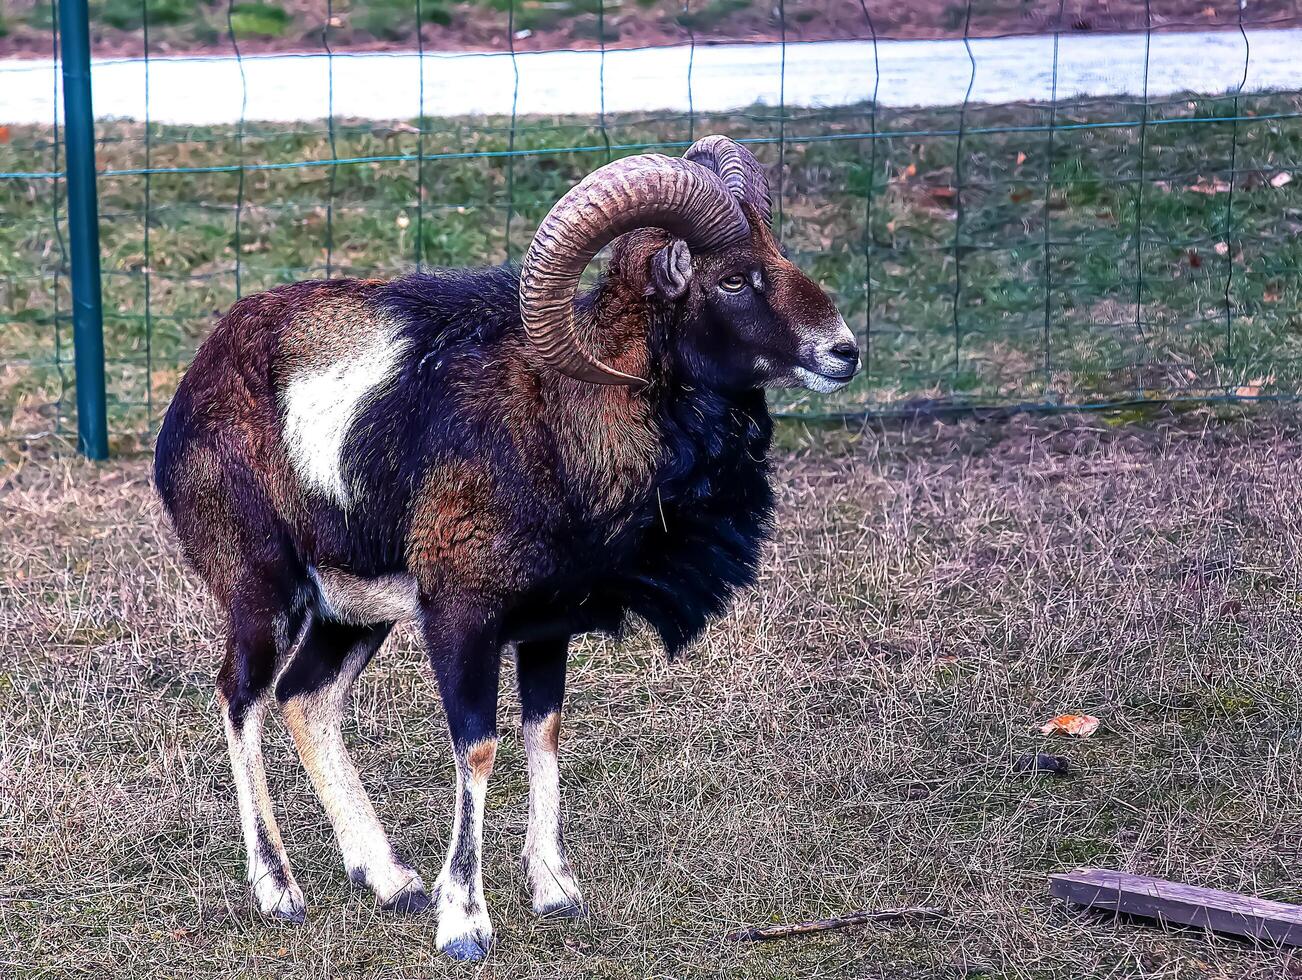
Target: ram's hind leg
x: 540, y: 670
x: 260, y: 632
x: 464, y: 650
x: 313, y: 692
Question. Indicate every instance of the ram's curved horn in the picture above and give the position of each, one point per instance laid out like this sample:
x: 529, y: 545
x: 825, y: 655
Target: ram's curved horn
x: 737, y: 167
x: 648, y: 191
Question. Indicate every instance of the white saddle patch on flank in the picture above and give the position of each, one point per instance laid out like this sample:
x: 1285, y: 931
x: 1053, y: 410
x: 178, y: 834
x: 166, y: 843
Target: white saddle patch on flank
x: 362, y: 601
x: 321, y: 403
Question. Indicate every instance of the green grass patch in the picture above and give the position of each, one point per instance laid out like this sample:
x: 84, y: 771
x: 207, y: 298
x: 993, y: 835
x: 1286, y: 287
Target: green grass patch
x: 710, y: 14
x: 536, y: 15
x: 1011, y: 269
x: 392, y: 20
x: 258, y: 20
x: 129, y: 15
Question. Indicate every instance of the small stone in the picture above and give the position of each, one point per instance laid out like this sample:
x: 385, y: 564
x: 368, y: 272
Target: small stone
x: 1037, y: 762
x: 1153, y: 960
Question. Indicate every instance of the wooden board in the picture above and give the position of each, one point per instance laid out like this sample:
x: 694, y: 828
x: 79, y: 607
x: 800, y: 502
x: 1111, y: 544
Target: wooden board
x: 1170, y: 901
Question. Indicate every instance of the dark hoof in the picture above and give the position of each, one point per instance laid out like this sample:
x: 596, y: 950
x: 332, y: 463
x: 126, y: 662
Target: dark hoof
x: 465, y: 949
x: 293, y: 917
x: 409, y: 901
x: 563, y: 910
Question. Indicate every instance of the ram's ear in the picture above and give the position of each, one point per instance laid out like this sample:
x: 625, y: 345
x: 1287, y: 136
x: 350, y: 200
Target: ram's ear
x: 671, y: 271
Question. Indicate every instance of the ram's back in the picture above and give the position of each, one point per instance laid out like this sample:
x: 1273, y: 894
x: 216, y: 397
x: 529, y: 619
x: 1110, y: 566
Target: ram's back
x: 273, y: 411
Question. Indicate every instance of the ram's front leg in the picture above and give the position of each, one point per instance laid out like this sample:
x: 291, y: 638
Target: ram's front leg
x: 540, y: 669
x: 462, y: 639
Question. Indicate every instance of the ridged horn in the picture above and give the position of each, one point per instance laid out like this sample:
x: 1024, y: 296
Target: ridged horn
x: 648, y: 191
x: 737, y: 167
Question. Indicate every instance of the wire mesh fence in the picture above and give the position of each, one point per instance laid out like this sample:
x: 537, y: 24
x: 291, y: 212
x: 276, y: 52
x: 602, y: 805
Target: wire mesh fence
x: 1056, y: 251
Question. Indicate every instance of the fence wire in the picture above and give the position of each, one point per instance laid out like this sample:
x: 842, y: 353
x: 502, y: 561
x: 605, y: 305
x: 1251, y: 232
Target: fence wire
x: 1068, y: 252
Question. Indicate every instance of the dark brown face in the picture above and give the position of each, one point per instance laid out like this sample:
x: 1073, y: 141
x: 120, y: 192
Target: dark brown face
x: 753, y: 320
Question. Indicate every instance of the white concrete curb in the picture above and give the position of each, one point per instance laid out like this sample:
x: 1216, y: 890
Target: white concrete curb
x: 724, y: 77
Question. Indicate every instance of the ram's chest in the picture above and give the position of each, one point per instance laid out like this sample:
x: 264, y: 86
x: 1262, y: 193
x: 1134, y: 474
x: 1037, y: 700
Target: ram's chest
x: 670, y: 515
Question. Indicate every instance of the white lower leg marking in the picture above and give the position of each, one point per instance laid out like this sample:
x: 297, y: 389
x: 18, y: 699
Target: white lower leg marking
x: 551, y: 882
x: 314, y: 721
x: 462, y: 911
x: 274, y: 887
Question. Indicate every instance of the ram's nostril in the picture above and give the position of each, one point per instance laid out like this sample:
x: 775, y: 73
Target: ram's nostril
x: 846, y: 350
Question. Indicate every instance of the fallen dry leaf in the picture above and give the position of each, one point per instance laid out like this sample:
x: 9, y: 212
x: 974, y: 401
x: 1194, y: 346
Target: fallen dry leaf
x: 1021, y: 158
x: 388, y: 132
x: 1281, y: 178
x: 1253, y: 388
x: 1204, y: 186
x: 1082, y: 726
x: 1221, y: 248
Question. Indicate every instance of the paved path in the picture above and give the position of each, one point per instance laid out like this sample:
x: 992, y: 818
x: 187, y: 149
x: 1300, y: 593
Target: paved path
x: 829, y: 73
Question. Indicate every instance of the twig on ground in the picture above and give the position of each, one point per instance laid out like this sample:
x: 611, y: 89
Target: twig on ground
x: 838, y: 922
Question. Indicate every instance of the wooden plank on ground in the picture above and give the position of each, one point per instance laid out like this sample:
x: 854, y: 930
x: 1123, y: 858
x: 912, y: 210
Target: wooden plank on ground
x: 1173, y: 902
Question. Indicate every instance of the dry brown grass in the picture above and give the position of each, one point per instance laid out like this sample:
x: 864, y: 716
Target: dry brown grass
x: 842, y: 740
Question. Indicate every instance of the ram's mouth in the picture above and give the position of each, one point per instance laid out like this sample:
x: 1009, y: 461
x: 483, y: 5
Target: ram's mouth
x: 819, y: 381
x: 842, y: 378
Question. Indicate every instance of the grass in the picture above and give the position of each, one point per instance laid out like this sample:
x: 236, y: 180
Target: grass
x: 181, y: 25
x: 257, y: 20
x: 392, y: 19
x: 1009, y: 267
x: 127, y: 15
x: 843, y: 739
x: 201, y: 26
x: 710, y: 14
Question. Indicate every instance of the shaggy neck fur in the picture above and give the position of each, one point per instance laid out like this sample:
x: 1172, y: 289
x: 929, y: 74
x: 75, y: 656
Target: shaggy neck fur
x: 609, y: 436
x: 686, y: 463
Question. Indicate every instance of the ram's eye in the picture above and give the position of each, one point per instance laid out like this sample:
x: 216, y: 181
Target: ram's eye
x: 733, y: 284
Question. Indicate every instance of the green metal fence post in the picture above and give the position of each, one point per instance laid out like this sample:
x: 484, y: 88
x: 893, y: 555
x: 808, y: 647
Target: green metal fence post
x: 83, y: 230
